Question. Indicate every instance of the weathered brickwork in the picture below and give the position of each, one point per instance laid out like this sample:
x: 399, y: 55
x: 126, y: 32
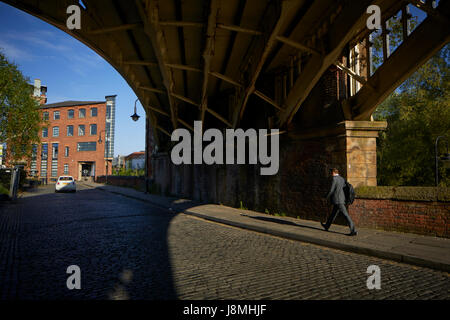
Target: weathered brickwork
x: 301, y: 183
x: 303, y: 180
x: 124, y: 181
x: 421, y: 217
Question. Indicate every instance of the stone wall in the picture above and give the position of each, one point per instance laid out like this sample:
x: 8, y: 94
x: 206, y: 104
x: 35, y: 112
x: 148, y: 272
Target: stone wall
x: 299, y: 187
x: 302, y: 180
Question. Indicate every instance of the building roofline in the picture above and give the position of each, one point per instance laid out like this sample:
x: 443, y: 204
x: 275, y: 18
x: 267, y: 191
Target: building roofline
x: 70, y: 104
x: 135, y: 154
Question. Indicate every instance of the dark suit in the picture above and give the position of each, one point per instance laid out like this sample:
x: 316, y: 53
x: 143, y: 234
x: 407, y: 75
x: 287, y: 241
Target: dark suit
x: 337, y: 198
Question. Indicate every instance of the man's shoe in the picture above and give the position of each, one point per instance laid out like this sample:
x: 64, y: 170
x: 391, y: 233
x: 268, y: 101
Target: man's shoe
x: 353, y: 233
x: 324, y: 226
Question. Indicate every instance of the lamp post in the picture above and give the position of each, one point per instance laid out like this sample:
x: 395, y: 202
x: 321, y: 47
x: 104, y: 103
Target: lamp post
x: 445, y: 157
x: 106, y: 163
x: 135, y: 116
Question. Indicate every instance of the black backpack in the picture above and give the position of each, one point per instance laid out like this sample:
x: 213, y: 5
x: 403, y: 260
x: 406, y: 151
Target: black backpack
x: 349, y: 193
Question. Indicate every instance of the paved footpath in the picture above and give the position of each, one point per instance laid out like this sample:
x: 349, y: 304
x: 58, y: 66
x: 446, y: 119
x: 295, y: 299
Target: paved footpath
x: 431, y: 252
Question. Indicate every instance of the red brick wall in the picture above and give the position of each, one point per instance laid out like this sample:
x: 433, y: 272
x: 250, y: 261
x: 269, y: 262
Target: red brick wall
x: 71, y: 141
x: 124, y: 181
x: 421, y: 217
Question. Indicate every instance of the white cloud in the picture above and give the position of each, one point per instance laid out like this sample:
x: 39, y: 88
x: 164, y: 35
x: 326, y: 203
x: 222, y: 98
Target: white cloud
x: 14, y: 53
x: 53, y: 45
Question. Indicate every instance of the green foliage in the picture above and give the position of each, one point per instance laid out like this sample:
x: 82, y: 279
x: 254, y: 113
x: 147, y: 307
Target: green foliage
x: 395, y: 38
x: 417, y: 113
x: 3, y: 190
x: 242, y: 206
x: 19, y: 112
x: 404, y: 193
x: 276, y: 214
x: 129, y: 172
x: 279, y: 214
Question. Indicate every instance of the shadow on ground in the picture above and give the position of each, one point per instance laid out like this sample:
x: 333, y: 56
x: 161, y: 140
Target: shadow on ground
x: 286, y: 222
x: 120, y: 245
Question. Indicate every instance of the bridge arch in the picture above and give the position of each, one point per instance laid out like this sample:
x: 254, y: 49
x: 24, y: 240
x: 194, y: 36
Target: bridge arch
x: 255, y: 64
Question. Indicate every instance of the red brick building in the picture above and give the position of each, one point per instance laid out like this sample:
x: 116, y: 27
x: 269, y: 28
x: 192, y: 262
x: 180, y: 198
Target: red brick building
x: 77, y: 139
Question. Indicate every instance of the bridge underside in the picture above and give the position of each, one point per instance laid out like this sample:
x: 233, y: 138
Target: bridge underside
x: 302, y: 66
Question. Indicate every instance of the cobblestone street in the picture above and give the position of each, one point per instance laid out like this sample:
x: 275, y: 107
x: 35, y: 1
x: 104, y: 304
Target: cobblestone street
x: 129, y: 249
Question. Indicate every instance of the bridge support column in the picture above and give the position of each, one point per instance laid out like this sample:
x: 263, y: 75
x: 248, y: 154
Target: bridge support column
x: 361, y: 151
x: 306, y: 157
x: 349, y: 146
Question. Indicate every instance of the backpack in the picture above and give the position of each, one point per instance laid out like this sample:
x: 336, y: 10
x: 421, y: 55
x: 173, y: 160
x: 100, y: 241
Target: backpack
x: 349, y: 193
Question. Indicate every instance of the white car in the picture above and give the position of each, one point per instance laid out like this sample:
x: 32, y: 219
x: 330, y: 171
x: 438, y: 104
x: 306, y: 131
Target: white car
x: 65, y: 183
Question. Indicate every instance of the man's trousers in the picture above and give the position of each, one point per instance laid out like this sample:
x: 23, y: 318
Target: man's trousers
x: 336, y: 209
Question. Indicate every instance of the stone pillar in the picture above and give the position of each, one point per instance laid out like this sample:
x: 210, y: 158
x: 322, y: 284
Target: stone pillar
x: 350, y: 146
x: 361, y: 151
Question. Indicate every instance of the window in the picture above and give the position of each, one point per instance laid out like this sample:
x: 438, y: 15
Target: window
x: 82, y: 113
x: 33, y: 168
x: 93, y: 129
x: 66, y: 151
x: 56, y: 115
x: 56, y: 131
x: 66, y: 171
x: 54, y: 168
x: 93, y: 112
x: 45, y: 116
x: 54, y: 151
x: 87, y: 146
x: 44, y: 156
x: 108, y: 112
x: 81, y: 130
x: 43, y: 168
x: 33, y: 163
x: 44, y: 132
x: 44, y: 152
x: 34, y: 151
x: 69, y: 131
x: 70, y: 114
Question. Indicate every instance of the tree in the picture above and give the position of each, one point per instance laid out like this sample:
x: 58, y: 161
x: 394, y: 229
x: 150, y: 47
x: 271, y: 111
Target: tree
x: 417, y: 113
x: 20, y: 121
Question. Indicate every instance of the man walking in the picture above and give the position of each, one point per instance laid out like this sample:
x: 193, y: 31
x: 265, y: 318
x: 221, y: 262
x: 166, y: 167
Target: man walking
x: 337, y: 197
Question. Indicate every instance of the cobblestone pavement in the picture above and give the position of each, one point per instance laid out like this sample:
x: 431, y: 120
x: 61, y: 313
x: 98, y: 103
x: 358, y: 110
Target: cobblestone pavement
x: 128, y: 249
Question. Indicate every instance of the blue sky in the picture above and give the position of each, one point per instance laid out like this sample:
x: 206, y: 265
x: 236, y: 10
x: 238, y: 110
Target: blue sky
x: 70, y: 70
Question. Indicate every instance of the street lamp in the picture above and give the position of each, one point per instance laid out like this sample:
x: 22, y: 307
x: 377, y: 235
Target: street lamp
x: 135, y: 116
x: 100, y: 136
x: 445, y: 157
x: 106, y: 163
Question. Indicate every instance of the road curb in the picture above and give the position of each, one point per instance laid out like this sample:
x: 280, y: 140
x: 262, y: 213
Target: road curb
x: 397, y: 257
